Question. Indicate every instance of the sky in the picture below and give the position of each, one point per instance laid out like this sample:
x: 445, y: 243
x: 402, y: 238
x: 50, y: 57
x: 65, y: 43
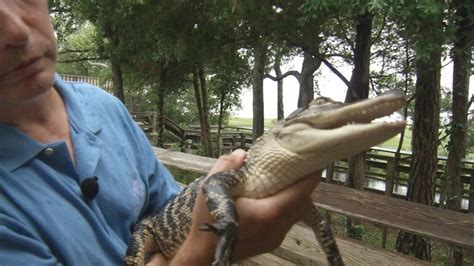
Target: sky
x: 329, y: 84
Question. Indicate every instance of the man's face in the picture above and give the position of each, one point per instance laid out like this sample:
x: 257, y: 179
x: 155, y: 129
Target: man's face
x: 27, y: 50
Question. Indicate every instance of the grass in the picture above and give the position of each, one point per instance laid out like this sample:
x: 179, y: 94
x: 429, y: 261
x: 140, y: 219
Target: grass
x: 247, y: 122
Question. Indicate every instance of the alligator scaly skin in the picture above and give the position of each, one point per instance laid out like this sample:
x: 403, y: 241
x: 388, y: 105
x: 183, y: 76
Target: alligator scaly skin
x: 171, y: 227
x: 269, y: 168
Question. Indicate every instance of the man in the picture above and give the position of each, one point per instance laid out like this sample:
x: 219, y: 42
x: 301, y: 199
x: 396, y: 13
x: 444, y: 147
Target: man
x: 55, y: 135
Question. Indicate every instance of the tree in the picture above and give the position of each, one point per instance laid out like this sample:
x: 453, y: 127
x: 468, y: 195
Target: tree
x: 103, y: 14
x: 278, y: 73
x: 358, y: 90
x: 200, y: 91
x: 305, y: 78
x: 461, y: 54
x: 230, y: 75
x: 258, y: 74
x: 428, y: 33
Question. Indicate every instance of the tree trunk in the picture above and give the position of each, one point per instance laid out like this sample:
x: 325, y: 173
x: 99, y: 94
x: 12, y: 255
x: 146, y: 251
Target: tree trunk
x: 277, y: 68
x: 424, y: 144
x: 161, y: 91
x: 306, y: 79
x: 359, y: 89
x: 117, y: 75
x: 359, y: 83
x: 117, y: 82
x: 200, y: 92
x: 458, y: 131
x: 260, y: 55
x: 220, y: 122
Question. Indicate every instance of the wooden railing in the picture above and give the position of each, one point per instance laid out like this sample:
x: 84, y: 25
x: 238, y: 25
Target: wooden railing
x: 379, y: 159
x: 86, y: 79
x: 300, y: 247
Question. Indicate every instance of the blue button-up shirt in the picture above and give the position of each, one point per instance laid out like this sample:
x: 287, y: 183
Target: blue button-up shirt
x: 45, y: 219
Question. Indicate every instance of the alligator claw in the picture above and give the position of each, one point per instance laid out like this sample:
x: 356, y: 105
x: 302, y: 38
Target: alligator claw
x: 228, y: 234
x: 211, y: 228
x: 225, y: 245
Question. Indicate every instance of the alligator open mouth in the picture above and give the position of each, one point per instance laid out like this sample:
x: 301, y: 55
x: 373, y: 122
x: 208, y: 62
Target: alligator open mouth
x: 326, y: 124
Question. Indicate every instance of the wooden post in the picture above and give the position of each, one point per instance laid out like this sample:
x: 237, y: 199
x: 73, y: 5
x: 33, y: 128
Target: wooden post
x: 187, y: 147
x: 242, y: 140
x: 471, y: 194
x: 330, y: 173
x: 220, y: 142
x: 153, y: 117
x: 390, y: 176
x: 389, y: 180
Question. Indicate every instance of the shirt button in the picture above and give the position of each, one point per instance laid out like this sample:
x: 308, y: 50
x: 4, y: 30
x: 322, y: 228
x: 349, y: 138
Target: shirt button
x: 48, y: 151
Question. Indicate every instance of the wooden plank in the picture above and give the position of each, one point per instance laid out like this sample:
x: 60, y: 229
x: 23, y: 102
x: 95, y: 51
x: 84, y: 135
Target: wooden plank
x: 435, y: 223
x: 438, y: 224
x: 264, y: 260
x: 185, y: 161
x: 300, y: 247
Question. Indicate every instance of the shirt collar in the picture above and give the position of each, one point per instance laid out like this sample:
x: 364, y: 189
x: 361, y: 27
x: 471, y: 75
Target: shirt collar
x: 17, y: 148
x: 80, y: 118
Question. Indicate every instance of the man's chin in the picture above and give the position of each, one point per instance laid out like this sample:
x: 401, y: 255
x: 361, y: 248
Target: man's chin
x: 28, y: 90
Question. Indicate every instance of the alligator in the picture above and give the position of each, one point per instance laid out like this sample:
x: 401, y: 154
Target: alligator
x: 306, y: 141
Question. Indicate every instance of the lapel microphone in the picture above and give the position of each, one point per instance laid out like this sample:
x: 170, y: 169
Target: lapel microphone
x: 90, y: 187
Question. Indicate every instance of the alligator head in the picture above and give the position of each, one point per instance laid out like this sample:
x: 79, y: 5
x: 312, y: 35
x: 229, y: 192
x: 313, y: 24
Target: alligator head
x: 313, y: 137
x: 329, y: 126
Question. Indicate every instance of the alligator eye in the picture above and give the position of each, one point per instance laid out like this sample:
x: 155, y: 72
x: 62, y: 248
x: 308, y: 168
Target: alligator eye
x: 320, y: 101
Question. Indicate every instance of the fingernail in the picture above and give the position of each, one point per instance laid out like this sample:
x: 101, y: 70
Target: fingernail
x: 239, y: 152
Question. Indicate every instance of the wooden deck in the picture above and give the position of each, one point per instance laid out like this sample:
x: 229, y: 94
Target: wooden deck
x: 300, y: 247
x: 435, y: 223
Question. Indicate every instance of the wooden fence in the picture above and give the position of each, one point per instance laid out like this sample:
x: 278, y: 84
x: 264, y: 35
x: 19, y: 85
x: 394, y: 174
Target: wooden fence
x: 300, y: 247
x: 107, y: 85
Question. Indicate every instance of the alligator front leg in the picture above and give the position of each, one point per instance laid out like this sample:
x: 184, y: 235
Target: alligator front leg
x: 136, y: 252
x: 216, y: 190
x: 324, y: 235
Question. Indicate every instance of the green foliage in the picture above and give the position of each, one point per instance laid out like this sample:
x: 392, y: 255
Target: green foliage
x: 78, y: 53
x: 151, y: 39
x: 182, y: 176
x: 356, y: 231
x: 62, y: 19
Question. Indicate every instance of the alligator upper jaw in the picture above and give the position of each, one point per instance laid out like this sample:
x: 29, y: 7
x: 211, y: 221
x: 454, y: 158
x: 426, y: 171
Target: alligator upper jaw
x: 335, y: 114
x: 343, y: 131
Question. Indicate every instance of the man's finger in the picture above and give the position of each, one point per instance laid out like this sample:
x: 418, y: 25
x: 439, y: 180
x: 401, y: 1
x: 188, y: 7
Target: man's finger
x: 233, y: 160
x: 158, y: 260
x: 300, y: 190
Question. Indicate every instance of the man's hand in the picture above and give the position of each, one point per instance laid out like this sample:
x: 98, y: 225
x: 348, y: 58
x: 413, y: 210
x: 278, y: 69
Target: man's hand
x: 263, y: 222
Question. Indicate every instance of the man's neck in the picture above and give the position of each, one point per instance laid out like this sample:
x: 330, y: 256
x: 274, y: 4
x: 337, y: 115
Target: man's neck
x: 33, y: 110
x: 41, y: 118
x: 44, y: 119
